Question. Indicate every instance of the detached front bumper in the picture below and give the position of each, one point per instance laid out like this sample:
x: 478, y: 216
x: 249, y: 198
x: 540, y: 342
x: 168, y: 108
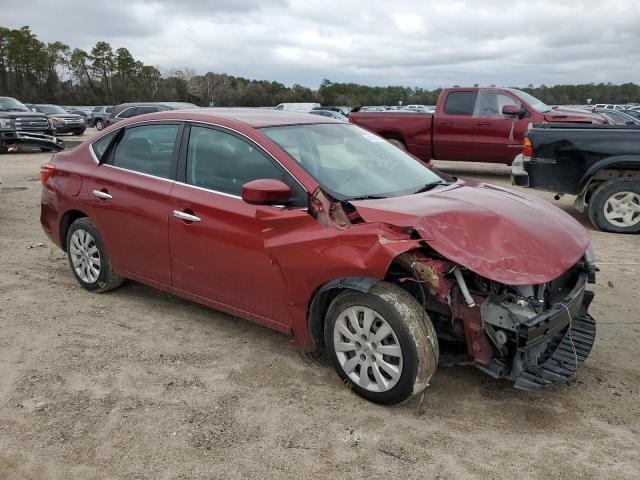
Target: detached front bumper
x: 31, y: 139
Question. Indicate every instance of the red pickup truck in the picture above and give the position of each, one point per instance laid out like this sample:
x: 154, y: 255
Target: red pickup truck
x: 473, y: 124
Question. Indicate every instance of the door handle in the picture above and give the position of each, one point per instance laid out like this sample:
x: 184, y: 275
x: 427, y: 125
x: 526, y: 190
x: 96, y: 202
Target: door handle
x: 101, y: 195
x: 446, y: 123
x: 186, y: 216
x: 483, y: 123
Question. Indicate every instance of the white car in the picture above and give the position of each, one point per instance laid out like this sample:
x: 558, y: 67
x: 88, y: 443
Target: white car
x: 297, y: 107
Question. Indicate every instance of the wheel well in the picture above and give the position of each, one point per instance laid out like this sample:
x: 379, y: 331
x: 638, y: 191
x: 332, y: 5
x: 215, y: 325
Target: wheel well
x: 392, y: 136
x: 67, y: 219
x: 609, y: 173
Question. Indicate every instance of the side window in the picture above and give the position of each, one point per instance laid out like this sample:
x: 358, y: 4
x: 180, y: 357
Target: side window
x: 222, y: 162
x: 162, y: 109
x: 100, y: 146
x: 489, y: 104
x: 460, y: 103
x: 108, y: 109
x: 126, y: 113
x: 147, y: 149
x: 143, y: 110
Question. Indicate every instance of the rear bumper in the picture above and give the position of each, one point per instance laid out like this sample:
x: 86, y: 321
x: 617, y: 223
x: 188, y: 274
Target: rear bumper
x: 519, y: 176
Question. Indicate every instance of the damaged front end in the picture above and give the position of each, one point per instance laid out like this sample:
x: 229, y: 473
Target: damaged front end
x: 535, y: 335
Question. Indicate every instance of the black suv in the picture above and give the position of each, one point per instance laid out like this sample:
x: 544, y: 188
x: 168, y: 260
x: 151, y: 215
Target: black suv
x: 128, y: 110
x: 62, y: 121
x: 18, y: 124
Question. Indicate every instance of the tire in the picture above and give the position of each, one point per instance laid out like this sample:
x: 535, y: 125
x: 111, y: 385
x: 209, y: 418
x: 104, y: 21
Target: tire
x: 3, y: 148
x: 398, y: 143
x: 99, y: 125
x: 411, y: 346
x: 77, y: 245
x: 619, y: 195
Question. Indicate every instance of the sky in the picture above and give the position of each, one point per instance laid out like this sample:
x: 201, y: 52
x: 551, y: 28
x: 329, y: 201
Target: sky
x: 425, y: 44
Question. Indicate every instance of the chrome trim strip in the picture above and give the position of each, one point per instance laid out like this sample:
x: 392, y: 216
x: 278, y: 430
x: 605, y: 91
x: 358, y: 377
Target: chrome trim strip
x: 138, y: 173
x: 186, y: 216
x: 208, y: 190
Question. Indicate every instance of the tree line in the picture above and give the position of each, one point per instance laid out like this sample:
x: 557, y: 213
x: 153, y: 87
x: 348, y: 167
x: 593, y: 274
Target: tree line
x: 37, y: 72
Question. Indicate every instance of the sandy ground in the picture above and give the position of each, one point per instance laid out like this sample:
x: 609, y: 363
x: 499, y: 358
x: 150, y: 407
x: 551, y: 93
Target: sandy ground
x: 136, y: 384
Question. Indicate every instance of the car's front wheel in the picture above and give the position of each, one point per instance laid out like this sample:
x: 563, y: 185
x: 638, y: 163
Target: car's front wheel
x: 88, y: 258
x: 615, y: 206
x: 381, y: 343
x: 99, y: 125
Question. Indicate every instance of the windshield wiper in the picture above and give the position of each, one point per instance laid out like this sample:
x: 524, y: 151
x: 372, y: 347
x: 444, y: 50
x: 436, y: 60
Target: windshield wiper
x: 431, y: 185
x: 364, y: 197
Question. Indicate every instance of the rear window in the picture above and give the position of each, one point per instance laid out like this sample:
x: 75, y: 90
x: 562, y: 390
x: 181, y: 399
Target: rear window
x: 460, y: 103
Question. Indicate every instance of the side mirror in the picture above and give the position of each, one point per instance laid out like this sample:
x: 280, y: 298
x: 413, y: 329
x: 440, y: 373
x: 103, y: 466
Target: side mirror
x: 265, y: 191
x: 511, y: 110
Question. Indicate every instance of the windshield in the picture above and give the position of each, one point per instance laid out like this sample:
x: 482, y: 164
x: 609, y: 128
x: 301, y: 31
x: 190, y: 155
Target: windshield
x: 50, y: 109
x: 8, y: 104
x: 532, y: 101
x: 351, y: 163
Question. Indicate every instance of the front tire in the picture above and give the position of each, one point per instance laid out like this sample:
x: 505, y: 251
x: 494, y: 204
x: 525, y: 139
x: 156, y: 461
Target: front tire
x: 99, y: 125
x: 381, y: 343
x: 615, y: 206
x: 88, y: 258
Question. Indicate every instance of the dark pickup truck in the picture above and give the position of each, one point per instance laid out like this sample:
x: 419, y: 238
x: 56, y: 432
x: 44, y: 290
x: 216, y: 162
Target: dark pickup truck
x: 472, y: 124
x: 599, y: 164
x: 19, y: 125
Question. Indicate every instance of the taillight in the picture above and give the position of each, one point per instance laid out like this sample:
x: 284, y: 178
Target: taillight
x: 350, y: 119
x: 527, y: 149
x: 46, y: 171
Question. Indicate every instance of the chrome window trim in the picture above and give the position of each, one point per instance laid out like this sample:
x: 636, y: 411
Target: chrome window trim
x: 95, y: 158
x: 120, y: 113
x: 170, y: 180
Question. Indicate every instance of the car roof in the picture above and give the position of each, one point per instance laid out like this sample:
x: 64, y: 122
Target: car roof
x: 254, y: 117
x: 162, y: 104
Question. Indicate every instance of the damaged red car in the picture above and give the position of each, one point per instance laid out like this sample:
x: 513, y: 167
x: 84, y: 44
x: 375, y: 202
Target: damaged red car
x: 326, y: 232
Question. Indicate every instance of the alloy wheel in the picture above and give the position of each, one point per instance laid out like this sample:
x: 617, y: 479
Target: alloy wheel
x: 85, y: 256
x: 367, y: 349
x: 622, y: 209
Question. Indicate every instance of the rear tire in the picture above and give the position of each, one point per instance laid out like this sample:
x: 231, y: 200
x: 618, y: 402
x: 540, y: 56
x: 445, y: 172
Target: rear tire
x: 381, y: 343
x: 88, y: 258
x: 615, y: 206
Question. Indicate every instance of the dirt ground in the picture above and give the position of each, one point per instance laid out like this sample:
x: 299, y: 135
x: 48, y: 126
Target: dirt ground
x: 137, y: 384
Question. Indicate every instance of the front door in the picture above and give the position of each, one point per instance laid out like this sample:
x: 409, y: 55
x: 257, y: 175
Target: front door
x: 453, y: 127
x: 497, y: 137
x: 217, y: 240
x: 129, y: 197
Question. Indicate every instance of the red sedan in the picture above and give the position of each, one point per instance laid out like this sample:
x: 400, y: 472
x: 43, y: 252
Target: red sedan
x: 326, y: 232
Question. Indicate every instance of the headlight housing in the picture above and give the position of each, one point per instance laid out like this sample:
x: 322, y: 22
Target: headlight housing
x: 6, y: 124
x: 57, y: 120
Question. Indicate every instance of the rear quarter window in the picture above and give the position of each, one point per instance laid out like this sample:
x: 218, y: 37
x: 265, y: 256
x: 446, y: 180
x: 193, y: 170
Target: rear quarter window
x: 460, y: 103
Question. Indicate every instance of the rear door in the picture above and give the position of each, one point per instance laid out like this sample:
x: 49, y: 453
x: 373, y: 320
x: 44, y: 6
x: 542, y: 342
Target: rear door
x: 218, y: 240
x: 129, y: 197
x: 497, y: 137
x: 453, y: 126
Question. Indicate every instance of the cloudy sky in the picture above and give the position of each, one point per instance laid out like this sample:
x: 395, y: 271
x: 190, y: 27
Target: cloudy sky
x: 375, y: 42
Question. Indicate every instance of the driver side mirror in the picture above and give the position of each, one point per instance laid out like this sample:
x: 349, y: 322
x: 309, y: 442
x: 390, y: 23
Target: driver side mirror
x: 265, y: 191
x: 511, y: 110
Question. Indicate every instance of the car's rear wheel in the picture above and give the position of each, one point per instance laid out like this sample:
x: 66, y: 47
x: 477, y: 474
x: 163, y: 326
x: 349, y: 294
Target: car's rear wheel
x: 615, y: 206
x: 99, y: 125
x: 381, y: 343
x: 88, y: 258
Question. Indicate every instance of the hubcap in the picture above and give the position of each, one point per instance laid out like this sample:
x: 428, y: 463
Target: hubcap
x: 85, y: 256
x: 367, y: 349
x: 622, y: 209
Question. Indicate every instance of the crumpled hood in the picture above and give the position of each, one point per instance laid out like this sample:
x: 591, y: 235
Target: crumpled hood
x: 498, y: 233
x: 569, y: 116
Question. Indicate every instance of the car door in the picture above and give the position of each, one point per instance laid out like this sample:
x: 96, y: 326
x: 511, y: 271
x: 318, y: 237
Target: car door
x: 453, y: 127
x: 497, y: 137
x: 217, y: 240
x: 130, y: 195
